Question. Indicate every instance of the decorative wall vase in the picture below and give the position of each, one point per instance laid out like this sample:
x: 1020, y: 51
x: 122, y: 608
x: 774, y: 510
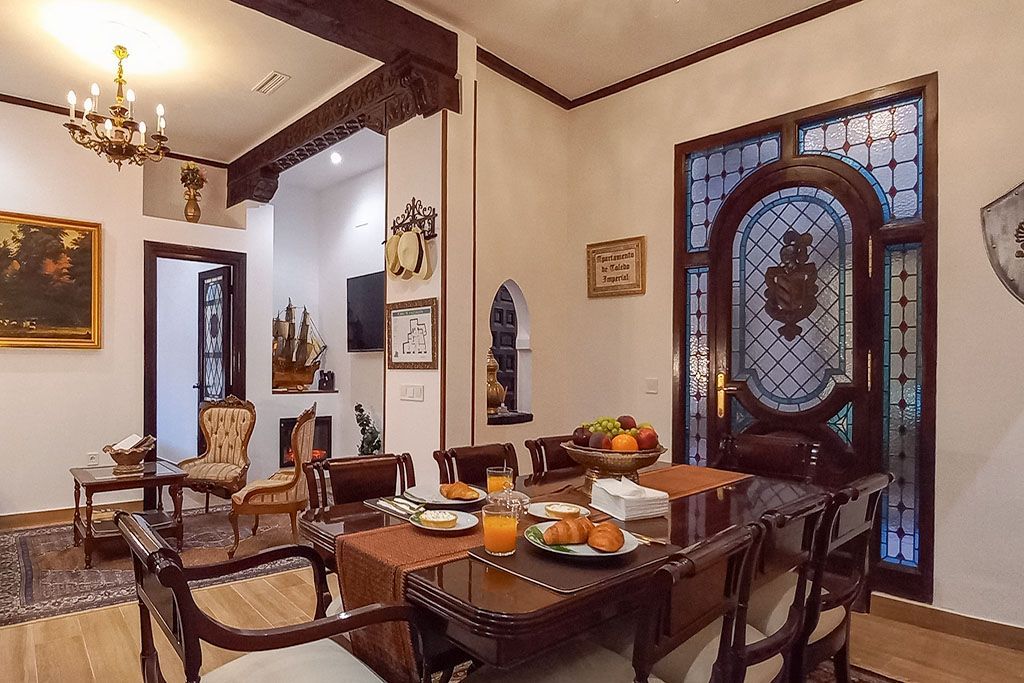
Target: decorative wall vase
x: 193, y: 179
x: 192, y: 209
x: 1002, y: 224
x: 495, y: 392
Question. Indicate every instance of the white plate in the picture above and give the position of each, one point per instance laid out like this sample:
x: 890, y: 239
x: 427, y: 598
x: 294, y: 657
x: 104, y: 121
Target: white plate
x: 537, y: 510
x: 465, y: 521
x: 431, y: 495
x: 536, y: 532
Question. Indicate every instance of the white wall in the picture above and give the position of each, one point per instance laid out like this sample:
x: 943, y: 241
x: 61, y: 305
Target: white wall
x: 177, y: 351
x: 296, y: 245
x: 622, y: 156
x: 163, y: 195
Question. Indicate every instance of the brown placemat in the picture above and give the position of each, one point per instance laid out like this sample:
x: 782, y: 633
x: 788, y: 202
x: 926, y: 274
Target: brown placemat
x: 571, y: 575
x: 679, y: 481
x: 372, y: 568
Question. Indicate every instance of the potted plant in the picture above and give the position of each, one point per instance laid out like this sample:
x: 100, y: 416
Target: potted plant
x: 370, y: 442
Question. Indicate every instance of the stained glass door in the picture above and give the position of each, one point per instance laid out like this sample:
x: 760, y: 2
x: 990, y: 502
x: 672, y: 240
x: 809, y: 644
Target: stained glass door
x: 214, y: 337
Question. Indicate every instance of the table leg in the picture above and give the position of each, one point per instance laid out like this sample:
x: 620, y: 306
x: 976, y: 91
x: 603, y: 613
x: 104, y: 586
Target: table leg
x: 175, y: 491
x: 78, y: 514
x: 88, y: 529
x: 160, y: 498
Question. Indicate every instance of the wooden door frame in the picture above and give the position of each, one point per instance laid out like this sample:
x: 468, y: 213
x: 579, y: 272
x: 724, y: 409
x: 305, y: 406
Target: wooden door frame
x: 916, y: 585
x: 152, y: 252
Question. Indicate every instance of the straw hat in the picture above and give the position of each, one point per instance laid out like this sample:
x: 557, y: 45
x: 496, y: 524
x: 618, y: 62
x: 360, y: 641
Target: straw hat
x: 391, y: 256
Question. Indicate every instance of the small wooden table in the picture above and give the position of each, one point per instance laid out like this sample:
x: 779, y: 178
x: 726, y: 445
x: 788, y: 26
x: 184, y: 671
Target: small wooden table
x: 102, y: 480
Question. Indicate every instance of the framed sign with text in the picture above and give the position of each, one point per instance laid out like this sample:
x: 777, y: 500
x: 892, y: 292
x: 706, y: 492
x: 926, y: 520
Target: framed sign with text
x: 411, y: 334
x: 617, y: 267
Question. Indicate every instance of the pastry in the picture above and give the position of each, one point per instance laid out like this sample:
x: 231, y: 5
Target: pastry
x: 438, y: 519
x: 562, y: 510
x: 568, y: 531
x: 606, y: 537
x: 459, y: 491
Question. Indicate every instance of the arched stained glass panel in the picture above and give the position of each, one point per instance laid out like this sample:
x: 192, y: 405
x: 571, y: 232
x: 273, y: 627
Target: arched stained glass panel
x: 791, y: 370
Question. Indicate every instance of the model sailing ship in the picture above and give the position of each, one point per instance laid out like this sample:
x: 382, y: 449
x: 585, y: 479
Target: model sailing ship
x: 297, y: 353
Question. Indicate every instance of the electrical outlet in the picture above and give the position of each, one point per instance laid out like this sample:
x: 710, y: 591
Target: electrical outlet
x: 94, y: 459
x: 651, y: 385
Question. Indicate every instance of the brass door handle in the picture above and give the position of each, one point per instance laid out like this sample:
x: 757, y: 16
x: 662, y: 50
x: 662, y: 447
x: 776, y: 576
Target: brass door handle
x: 721, y: 389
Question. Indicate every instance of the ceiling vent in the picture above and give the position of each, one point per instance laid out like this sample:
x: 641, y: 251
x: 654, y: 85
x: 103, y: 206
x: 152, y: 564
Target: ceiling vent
x: 271, y: 82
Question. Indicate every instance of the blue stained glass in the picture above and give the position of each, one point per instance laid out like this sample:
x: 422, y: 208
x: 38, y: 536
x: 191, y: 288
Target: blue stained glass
x: 697, y: 360
x: 902, y: 360
x: 712, y: 174
x: 885, y: 144
x: 793, y: 375
x: 741, y: 417
x: 842, y: 423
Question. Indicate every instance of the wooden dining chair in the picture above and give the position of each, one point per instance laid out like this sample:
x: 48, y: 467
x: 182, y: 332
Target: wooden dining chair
x: 780, y: 457
x: 847, y: 528
x: 297, y: 652
x: 356, y: 478
x: 469, y: 464
x: 547, y: 454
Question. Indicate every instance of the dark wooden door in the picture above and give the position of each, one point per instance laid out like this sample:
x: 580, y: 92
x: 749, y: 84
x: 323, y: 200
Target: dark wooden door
x: 504, y: 331
x: 214, y: 373
x: 790, y: 313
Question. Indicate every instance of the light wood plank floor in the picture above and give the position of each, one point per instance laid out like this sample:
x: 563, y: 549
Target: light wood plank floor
x: 103, y: 645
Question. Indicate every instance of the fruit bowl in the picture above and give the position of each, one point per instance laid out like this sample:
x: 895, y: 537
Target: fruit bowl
x: 605, y: 464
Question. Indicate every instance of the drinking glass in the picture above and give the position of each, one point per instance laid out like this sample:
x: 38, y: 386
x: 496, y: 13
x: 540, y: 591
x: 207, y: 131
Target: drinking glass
x: 499, y: 479
x: 500, y: 529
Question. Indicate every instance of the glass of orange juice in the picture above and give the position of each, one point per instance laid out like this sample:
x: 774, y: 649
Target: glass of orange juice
x: 499, y: 479
x: 500, y: 529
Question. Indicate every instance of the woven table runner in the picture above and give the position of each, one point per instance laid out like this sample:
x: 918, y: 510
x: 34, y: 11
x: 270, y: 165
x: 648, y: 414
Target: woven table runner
x: 372, y: 566
x: 680, y: 481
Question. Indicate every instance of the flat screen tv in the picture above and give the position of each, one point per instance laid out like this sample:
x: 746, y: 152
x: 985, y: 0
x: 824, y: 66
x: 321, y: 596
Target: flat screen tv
x: 366, y: 312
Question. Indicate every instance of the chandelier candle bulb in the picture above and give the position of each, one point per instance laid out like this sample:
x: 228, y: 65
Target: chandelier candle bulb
x: 108, y: 125
x: 72, y: 100
x: 130, y: 96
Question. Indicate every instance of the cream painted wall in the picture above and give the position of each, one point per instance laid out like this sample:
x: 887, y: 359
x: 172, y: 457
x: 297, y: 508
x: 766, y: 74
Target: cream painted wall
x: 296, y: 249
x: 622, y: 157
x: 162, y: 195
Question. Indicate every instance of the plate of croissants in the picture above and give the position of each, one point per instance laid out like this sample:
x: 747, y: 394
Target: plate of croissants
x: 579, y: 537
x: 456, y: 493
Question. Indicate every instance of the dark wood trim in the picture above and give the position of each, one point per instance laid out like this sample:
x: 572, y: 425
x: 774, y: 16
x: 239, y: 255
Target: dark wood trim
x: 376, y: 28
x: 152, y: 251
x: 516, y: 75
x: 472, y: 370
x: 443, y: 304
x: 387, y: 97
x: 387, y: 280
x: 952, y: 623
x: 198, y: 160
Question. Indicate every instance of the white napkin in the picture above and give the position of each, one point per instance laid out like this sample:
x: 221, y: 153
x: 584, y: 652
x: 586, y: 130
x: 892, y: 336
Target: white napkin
x: 626, y: 500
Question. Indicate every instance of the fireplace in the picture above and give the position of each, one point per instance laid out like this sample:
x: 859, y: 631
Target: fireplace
x: 321, y: 439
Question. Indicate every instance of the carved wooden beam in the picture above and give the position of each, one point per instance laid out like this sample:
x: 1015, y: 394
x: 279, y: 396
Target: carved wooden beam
x: 376, y: 28
x: 387, y: 97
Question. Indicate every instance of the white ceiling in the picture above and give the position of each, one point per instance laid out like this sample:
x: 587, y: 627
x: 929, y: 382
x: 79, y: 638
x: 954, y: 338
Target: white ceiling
x: 362, y: 152
x: 578, y: 46
x: 199, y: 59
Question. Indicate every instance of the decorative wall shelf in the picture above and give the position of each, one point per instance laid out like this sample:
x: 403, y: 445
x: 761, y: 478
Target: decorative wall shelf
x: 510, y: 418
x: 283, y: 392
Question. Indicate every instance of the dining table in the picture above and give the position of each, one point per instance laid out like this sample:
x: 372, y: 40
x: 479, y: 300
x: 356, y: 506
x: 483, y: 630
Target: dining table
x: 477, y: 608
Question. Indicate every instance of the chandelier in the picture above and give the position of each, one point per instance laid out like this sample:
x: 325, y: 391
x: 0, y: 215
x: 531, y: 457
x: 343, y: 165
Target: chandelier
x: 114, y: 135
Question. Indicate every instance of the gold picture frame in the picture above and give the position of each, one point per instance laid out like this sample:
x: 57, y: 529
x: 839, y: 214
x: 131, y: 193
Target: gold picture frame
x: 50, y: 282
x: 411, y: 334
x: 617, y: 267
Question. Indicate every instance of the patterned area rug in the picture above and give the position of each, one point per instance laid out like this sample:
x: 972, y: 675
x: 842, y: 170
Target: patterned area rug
x: 42, y: 574
x: 825, y: 674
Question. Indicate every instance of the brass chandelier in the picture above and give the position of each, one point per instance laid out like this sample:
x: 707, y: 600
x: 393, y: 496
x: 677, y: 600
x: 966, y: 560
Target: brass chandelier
x: 113, y: 135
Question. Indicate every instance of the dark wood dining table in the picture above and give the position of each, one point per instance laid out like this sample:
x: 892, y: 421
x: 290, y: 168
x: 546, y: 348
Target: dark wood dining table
x: 499, y: 619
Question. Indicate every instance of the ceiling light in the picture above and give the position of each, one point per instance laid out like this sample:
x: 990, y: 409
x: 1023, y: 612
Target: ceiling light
x: 335, y: 158
x: 88, y: 28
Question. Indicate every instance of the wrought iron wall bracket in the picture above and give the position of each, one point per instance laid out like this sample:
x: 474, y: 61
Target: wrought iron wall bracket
x: 416, y: 216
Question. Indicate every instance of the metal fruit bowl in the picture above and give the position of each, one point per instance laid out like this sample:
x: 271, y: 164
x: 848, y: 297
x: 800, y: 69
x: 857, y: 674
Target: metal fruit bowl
x: 602, y: 464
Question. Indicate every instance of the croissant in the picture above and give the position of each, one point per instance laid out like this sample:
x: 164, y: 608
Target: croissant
x: 459, y: 491
x: 606, y: 537
x: 568, y: 531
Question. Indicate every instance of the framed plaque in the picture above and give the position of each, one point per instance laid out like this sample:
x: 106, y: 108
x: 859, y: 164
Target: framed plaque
x: 617, y: 267
x: 411, y: 334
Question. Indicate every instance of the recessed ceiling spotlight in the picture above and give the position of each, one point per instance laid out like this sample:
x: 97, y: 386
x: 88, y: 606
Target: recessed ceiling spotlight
x: 335, y: 158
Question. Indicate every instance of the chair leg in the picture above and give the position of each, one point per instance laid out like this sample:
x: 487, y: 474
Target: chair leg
x: 255, y: 524
x: 295, y: 527
x: 233, y: 517
x: 207, y: 502
x: 841, y: 663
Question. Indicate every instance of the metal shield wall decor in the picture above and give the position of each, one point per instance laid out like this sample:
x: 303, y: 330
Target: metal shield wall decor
x: 1002, y: 224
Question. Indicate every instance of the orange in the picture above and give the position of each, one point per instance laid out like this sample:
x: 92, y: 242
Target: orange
x: 624, y: 442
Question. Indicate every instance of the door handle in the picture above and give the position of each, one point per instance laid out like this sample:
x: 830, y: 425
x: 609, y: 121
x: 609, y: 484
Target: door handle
x: 721, y: 389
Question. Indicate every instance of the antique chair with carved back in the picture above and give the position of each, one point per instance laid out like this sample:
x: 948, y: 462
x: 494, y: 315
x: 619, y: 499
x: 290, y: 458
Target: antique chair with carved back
x: 547, y: 454
x: 469, y: 464
x: 355, y: 478
x: 285, y: 492
x: 227, y: 427
x: 298, y: 652
x: 777, y: 456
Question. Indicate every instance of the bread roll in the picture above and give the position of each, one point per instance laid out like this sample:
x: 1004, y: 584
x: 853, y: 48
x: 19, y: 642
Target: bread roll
x: 568, y: 531
x: 606, y: 537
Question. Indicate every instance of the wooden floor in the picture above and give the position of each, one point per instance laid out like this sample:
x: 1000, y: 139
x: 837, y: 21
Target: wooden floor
x: 102, y: 645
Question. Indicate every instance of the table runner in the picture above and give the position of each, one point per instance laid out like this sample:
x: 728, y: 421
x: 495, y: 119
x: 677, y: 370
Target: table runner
x: 680, y: 481
x: 372, y: 567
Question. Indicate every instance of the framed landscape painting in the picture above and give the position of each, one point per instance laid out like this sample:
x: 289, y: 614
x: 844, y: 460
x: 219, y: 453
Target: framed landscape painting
x: 49, y: 282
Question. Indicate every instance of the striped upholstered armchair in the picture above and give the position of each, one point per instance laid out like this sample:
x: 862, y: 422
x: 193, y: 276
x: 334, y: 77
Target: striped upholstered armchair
x: 227, y: 427
x: 285, y: 492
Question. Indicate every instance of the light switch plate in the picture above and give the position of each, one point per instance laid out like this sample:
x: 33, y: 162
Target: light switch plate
x: 411, y: 392
x: 651, y: 385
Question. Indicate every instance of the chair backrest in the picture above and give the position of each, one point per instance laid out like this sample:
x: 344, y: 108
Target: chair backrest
x: 776, y: 456
x: 227, y: 427
x: 547, y: 454
x: 302, y: 447
x: 469, y: 464
x: 356, y: 478
x: 723, y: 559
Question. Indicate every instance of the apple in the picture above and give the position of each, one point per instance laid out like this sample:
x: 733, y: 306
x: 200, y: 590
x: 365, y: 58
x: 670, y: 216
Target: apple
x: 647, y: 439
x: 601, y: 440
x: 581, y: 437
x: 627, y: 422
